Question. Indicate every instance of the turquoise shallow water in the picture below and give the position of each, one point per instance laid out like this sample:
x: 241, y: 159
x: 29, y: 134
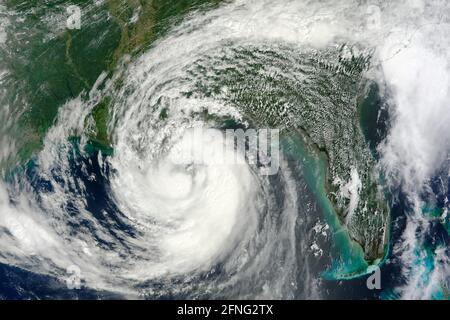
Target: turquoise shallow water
x: 347, y: 256
x: 419, y: 268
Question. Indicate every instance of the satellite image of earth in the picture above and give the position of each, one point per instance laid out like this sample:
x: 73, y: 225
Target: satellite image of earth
x: 118, y: 179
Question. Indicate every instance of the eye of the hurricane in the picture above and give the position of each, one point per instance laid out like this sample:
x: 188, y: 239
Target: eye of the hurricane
x: 193, y: 201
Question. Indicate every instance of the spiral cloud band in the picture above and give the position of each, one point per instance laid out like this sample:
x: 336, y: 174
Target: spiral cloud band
x: 205, y: 194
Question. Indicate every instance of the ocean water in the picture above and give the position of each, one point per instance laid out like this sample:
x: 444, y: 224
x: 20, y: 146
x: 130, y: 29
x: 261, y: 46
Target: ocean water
x: 93, y: 204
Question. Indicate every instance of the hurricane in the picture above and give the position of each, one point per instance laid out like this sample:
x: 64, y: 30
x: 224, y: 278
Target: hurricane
x: 126, y: 178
